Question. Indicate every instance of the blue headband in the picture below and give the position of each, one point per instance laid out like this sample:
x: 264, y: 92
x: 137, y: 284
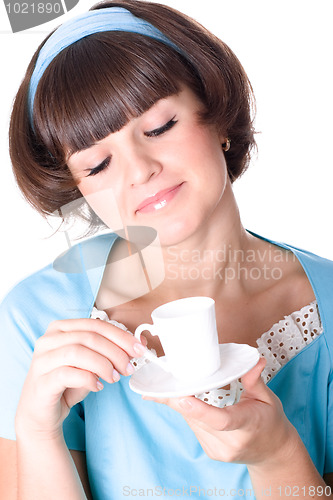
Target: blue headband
x: 95, y: 21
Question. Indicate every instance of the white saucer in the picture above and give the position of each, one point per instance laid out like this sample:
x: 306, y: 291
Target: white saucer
x: 236, y: 360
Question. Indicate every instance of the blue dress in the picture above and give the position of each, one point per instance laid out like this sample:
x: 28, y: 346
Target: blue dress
x: 140, y: 448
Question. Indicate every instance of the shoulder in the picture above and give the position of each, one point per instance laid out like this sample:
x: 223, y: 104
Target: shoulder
x: 69, y: 277
x: 36, y: 301
x: 37, y: 286
x: 319, y: 271
x: 312, y: 262
x: 64, y: 289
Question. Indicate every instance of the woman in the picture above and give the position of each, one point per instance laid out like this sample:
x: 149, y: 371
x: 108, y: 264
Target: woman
x: 155, y: 119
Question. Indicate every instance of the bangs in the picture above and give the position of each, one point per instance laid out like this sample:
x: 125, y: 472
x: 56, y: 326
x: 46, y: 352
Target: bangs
x: 95, y: 86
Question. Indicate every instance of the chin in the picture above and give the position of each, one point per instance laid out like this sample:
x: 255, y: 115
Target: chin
x: 176, y: 233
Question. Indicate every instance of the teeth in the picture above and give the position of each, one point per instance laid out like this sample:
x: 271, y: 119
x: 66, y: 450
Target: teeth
x: 159, y: 205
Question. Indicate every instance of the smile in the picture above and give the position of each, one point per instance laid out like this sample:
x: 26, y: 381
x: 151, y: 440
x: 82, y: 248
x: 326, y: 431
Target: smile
x: 159, y: 200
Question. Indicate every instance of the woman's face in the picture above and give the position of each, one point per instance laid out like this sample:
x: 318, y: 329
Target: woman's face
x: 163, y: 170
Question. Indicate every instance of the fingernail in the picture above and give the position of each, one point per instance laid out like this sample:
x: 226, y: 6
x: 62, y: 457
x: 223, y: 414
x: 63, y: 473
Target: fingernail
x: 130, y: 369
x: 116, y: 376
x: 139, y: 349
x: 185, y: 404
x: 99, y: 385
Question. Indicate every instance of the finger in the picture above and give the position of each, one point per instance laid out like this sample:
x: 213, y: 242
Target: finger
x: 76, y: 356
x: 193, y: 409
x: 123, y: 339
x: 230, y: 417
x: 200, y: 414
x: 90, y: 340
x: 73, y: 396
x: 59, y: 380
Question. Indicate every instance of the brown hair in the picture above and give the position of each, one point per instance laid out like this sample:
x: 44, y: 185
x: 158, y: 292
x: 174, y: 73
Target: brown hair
x: 96, y: 85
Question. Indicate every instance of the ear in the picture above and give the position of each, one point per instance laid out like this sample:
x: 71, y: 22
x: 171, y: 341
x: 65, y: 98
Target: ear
x: 222, y: 134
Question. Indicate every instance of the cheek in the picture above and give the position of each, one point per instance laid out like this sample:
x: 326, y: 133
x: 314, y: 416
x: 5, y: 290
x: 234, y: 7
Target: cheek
x: 92, y: 184
x: 208, y: 159
x: 205, y: 142
x: 103, y: 202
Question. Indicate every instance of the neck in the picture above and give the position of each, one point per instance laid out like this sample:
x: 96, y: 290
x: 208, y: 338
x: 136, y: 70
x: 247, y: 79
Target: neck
x: 208, y: 262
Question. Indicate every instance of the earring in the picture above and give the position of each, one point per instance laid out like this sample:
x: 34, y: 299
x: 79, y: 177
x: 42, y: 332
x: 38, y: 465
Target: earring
x: 226, y: 145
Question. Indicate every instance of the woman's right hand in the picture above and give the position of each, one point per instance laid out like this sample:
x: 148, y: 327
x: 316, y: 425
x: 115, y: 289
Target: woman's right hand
x: 67, y: 363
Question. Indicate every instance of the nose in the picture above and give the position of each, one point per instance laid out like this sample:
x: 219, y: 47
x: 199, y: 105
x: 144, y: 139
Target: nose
x: 141, y: 165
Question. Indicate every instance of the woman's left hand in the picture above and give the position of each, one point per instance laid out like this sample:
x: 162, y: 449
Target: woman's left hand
x: 253, y: 431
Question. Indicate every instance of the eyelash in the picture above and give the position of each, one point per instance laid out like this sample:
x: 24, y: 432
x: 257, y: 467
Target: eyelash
x: 153, y: 133
x: 102, y: 166
x: 163, y: 129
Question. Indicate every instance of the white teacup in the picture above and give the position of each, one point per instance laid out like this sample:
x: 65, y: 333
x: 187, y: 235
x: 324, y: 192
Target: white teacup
x: 188, y: 334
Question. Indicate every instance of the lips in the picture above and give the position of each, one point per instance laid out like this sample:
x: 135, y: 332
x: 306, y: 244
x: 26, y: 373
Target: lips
x: 159, y: 200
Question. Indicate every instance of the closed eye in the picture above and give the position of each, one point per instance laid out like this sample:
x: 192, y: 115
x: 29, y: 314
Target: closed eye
x: 161, y: 130
x: 102, y: 166
x: 152, y: 133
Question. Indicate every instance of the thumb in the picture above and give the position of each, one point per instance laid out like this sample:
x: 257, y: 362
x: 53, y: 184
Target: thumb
x: 254, y: 386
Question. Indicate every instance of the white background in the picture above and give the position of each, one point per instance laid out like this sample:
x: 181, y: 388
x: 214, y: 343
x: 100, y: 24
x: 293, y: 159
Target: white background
x: 286, y: 49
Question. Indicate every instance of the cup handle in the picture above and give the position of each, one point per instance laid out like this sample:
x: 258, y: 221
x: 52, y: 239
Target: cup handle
x: 148, y: 354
